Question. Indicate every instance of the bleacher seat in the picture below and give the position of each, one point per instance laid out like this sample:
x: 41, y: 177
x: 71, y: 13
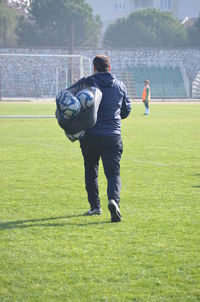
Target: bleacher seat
x: 165, y: 82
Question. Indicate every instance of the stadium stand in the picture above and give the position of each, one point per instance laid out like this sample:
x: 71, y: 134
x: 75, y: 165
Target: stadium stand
x: 165, y: 82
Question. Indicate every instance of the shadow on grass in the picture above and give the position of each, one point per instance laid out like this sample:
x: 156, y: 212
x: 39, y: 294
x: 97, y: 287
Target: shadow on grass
x: 197, y: 175
x: 21, y: 224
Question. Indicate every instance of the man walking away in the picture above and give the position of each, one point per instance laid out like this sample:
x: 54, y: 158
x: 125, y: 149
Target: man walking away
x: 104, y: 139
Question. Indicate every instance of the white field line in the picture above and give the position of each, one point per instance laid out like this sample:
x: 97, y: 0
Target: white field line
x: 25, y: 116
x: 154, y: 163
x: 135, y: 101
x: 151, y: 163
x: 161, y: 164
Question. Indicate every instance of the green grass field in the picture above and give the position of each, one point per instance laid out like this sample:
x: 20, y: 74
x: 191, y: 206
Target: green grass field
x: 50, y: 252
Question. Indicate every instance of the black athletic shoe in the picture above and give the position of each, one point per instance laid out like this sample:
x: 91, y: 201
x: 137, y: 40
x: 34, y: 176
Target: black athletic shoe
x: 114, y: 211
x: 93, y: 212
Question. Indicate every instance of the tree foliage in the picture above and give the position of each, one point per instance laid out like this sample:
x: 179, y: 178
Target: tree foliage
x: 194, y: 34
x: 49, y: 23
x: 8, y: 21
x: 146, y: 28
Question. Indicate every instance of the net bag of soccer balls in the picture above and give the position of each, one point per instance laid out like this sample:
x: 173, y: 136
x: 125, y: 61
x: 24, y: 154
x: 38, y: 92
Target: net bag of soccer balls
x: 76, y: 113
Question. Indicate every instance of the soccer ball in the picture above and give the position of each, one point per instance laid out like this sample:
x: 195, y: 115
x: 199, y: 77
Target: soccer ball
x: 86, y: 98
x: 69, y: 104
x: 75, y: 136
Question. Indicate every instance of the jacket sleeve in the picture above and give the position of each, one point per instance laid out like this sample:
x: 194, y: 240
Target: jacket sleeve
x: 126, y: 104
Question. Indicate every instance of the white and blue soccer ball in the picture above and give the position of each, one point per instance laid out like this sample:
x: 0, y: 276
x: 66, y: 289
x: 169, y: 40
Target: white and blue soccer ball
x: 69, y: 105
x: 86, y: 98
x: 74, y: 137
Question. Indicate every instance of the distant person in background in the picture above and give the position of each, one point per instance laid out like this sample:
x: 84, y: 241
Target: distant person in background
x: 146, y: 96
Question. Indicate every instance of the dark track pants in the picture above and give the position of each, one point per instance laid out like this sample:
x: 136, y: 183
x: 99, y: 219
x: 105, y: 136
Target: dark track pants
x: 109, y: 149
x: 146, y: 104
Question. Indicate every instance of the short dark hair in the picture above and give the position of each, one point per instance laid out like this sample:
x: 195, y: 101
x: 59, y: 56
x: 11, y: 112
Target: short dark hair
x: 101, y: 63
